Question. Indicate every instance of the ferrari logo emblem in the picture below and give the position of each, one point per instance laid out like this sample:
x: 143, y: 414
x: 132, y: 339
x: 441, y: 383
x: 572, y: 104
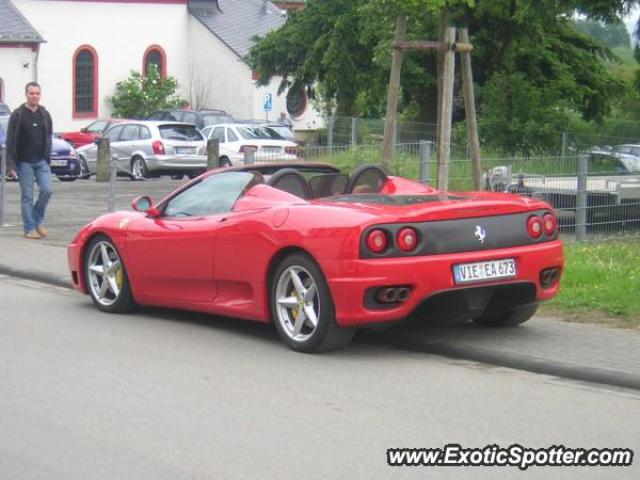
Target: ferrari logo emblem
x: 480, y: 234
x: 123, y: 223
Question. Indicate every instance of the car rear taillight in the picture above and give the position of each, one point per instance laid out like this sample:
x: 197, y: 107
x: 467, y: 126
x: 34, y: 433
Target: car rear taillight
x: 158, y: 147
x: 534, y: 226
x: 248, y: 147
x: 407, y: 239
x: 291, y: 150
x: 549, y: 224
x: 376, y: 241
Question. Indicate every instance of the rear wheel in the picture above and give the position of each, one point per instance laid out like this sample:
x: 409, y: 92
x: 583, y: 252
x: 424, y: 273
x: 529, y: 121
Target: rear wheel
x: 67, y: 179
x: 225, y: 162
x: 509, y: 318
x: 139, y: 169
x: 302, y: 307
x: 84, y: 168
x: 106, y: 276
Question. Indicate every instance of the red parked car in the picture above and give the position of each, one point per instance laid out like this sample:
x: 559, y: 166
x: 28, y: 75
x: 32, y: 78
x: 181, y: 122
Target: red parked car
x: 88, y: 134
x: 320, y: 253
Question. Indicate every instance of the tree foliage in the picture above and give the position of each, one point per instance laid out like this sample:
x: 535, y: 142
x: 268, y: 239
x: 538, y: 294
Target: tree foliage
x: 140, y: 96
x: 608, y: 34
x: 531, y: 48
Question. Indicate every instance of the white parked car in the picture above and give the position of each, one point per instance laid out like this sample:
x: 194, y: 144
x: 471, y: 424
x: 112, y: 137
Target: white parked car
x: 235, y: 138
x: 150, y: 148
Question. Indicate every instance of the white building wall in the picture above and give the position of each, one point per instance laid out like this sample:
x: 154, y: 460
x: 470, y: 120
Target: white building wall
x: 219, y: 78
x: 119, y: 32
x: 16, y: 70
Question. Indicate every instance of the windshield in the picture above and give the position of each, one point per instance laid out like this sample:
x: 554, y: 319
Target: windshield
x: 212, y: 195
x: 180, y: 132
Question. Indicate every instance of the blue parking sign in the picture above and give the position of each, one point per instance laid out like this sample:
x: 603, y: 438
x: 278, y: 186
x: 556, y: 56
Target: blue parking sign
x: 268, y: 102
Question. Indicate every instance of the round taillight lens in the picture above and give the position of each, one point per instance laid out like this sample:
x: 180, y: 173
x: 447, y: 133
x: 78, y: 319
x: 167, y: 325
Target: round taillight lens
x: 549, y: 224
x: 407, y: 239
x: 534, y: 226
x: 377, y: 241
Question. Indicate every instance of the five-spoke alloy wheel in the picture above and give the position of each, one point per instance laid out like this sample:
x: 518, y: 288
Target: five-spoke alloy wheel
x: 302, y: 307
x: 106, y: 276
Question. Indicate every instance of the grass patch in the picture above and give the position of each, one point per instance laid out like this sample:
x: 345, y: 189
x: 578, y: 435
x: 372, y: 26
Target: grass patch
x: 601, y: 283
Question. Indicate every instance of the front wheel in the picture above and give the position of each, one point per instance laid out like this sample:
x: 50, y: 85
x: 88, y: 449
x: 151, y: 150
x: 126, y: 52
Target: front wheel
x: 106, y: 277
x: 509, y: 318
x: 225, y: 162
x: 302, y: 307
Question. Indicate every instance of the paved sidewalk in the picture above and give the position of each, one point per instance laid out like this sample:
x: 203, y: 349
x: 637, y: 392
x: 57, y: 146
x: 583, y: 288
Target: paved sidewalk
x: 549, y: 346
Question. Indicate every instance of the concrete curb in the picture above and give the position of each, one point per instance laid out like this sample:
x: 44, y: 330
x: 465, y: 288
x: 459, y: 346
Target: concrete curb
x: 519, y: 362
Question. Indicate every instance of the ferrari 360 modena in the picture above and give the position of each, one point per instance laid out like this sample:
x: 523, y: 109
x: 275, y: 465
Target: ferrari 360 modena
x: 321, y: 253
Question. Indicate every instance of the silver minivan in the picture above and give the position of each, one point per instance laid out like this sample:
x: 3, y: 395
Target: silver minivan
x: 150, y: 148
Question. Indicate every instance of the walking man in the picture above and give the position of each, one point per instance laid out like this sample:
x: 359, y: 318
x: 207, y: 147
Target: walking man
x: 29, y: 152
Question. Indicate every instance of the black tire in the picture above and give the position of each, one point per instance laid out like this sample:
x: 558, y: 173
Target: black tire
x: 326, y: 334
x: 118, y: 302
x: 85, y: 174
x: 139, y: 169
x: 67, y: 179
x: 177, y: 176
x: 225, y: 162
x: 510, y: 318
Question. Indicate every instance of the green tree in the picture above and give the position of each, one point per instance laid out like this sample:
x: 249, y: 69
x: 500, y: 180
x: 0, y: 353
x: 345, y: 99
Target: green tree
x: 140, y: 96
x: 345, y: 48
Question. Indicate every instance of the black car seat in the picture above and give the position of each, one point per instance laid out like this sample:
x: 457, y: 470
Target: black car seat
x: 366, y: 179
x: 291, y: 181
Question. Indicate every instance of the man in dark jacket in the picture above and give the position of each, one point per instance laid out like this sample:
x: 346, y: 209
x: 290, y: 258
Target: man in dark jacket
x: 29, y: 152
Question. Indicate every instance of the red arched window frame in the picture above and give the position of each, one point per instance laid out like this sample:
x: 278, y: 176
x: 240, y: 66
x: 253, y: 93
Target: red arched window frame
x: 163, y: 59
x: 80, y: 110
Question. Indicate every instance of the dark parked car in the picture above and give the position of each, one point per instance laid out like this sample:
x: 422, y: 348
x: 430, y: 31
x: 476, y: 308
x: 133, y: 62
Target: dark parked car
x: 199, y: 118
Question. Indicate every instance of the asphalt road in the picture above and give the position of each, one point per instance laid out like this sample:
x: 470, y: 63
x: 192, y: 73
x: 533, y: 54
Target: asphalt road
x: 169, y: 395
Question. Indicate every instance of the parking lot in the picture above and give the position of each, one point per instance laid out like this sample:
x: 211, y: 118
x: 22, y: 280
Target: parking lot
x: 75, y: 203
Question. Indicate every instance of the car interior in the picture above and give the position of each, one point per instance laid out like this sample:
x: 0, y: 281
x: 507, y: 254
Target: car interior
x: 364, y: 179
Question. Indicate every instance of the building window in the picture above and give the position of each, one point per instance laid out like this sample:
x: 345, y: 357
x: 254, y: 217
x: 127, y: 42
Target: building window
x: 85, y: 82
x: 296, y: 102
x: 154, y: 55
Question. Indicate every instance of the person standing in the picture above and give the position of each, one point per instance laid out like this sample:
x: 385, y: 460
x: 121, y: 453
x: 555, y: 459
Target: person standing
x: 284, y: 120
x: 29, y: 153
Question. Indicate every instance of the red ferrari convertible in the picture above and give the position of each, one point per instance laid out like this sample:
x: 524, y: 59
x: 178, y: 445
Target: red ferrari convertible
x: 320, y: 253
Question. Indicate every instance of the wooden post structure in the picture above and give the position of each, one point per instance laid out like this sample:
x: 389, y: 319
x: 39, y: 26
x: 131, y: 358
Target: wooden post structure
x: 446, y: 49
x: 394, y: 93
x: 470, y: 109
x: 446, y: 109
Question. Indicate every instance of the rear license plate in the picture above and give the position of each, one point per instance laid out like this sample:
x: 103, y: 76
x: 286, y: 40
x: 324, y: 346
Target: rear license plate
x: 271, y: 149
x: 58, y: 163
x: 481, y: 271
x: 185, y: 150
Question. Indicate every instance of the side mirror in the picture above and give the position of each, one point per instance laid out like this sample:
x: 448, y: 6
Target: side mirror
x: 145, y: 205
x: 83, y: 130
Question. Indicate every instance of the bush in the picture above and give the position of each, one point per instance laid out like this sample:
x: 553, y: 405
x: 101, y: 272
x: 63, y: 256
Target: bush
x: 139, y: 96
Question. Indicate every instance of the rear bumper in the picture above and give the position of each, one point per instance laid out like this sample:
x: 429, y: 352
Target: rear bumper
x: 172, y: 163
x: 428, y: 276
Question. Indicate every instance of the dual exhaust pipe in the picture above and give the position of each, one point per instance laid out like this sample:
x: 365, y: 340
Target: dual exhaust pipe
x: 388, y: 295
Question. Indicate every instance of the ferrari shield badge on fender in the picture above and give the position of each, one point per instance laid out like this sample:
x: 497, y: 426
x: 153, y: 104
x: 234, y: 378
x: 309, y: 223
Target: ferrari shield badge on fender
x: 123, y: 223
x: 480, y: 234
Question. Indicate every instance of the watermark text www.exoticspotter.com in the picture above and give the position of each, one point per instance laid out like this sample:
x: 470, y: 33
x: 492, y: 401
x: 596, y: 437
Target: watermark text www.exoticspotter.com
x: 454, y: 455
